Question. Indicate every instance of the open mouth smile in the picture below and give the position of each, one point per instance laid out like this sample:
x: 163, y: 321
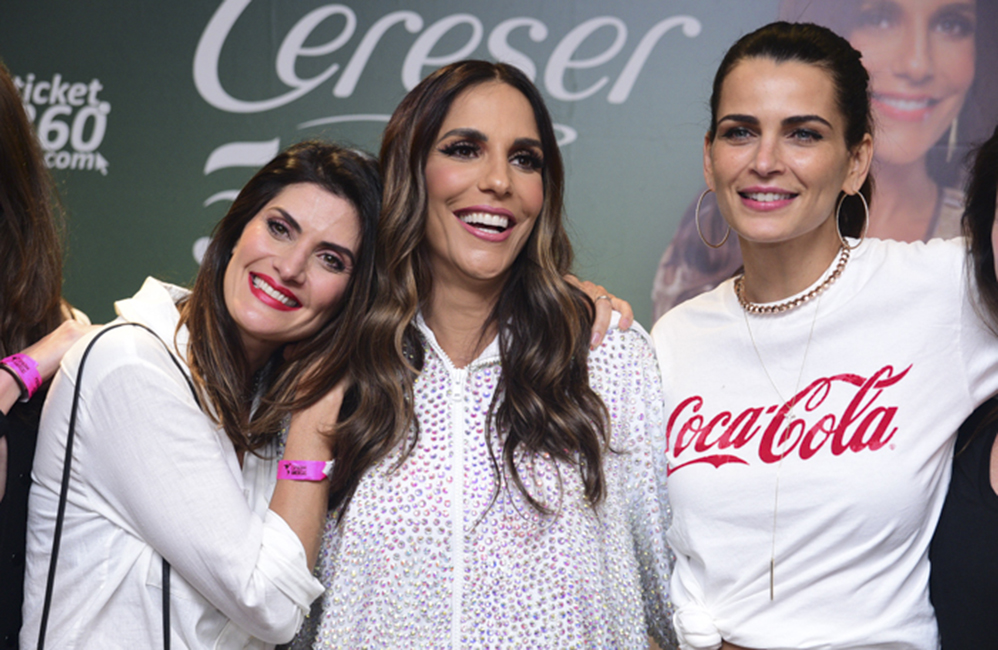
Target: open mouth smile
x: 767, y: 197
x: 911, y: 109
x: 490, y: 226
x: 262, y: 288
x: 766, y: 200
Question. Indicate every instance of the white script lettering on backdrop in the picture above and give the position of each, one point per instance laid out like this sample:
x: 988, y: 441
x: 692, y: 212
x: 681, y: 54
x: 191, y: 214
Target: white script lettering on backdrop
x: 70, y: 114
x: 420, y: 57
x: 209, y: 85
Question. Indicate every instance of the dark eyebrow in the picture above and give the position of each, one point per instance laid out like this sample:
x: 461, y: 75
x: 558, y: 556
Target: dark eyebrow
x: 747, y: 119
x: 475, y: 134
x: 803, y: 119
x: 291, y: 220
x: 465, y: 132
x: 527, y: 142
x: 342, y: 250
x: 796, y: 119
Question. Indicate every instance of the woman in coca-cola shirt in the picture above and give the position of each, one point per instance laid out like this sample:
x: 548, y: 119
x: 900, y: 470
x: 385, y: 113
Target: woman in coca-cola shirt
x: 812, y: 401
x: 935, y: 92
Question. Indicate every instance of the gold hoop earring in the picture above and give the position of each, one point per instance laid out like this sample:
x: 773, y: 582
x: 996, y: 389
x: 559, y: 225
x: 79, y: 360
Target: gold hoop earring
x: 697, y: 218
x: 954, y: 127
x: 866, y: 222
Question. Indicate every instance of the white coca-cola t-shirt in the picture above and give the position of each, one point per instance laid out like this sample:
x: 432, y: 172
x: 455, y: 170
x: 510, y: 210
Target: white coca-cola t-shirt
x: 896, y: 360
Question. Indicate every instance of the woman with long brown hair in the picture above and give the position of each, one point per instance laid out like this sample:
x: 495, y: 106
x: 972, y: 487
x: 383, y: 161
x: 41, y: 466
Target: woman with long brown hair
x: 36, y: 328
x: 497, y: 484
x: 178, y: 441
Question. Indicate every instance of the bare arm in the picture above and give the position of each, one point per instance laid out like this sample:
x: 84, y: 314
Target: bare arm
x: 47, y: 353
x: 302, y: 504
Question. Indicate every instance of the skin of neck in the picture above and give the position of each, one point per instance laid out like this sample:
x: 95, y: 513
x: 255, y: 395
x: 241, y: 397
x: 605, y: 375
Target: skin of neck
x: 456, y: 312
x: 906, y: 202
x: 776, y: 271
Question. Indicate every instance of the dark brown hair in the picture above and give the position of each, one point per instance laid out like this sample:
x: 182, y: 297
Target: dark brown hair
x: 30, y: 221
x: 978, y: 220
x: 819, y: 46
x: 547, y: 405
x: 216, y: 354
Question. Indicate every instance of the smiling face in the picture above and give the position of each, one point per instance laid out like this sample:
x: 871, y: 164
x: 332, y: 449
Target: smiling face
x: 484, y: 186
x: 779, y: 160
x: 920, y: 55
x: 290, y: 267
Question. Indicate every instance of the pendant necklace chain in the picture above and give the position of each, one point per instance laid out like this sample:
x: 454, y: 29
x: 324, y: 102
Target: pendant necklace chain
x: 748, y: 307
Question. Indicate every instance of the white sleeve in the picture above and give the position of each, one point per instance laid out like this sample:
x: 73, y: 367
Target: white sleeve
x: 166, y: 475
x: 648, y: 499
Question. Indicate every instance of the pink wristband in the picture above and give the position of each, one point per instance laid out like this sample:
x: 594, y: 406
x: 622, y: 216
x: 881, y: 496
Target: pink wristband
x: 304, y: 470
x: 25, y: 368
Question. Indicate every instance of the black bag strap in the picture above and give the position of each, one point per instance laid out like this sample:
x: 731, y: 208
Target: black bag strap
x: 64, y: 489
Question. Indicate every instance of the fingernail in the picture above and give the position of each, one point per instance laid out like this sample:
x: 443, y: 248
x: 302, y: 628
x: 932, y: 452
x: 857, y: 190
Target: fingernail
x: 594, y: 342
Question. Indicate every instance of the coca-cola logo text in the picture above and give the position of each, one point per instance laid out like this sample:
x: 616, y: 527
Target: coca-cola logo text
x: 799, y: 426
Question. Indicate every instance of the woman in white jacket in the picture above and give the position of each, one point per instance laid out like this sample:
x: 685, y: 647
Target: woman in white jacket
x: 159, y: 473
x: 497, y: 484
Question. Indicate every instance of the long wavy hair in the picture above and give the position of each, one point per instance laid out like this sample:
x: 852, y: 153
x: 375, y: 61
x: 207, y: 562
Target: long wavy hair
x: 216, y: 355
x: 547, y: 405
x: 30, y: 229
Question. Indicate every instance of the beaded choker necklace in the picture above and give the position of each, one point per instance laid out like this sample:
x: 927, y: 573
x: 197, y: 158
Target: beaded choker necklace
x: 793, y: 303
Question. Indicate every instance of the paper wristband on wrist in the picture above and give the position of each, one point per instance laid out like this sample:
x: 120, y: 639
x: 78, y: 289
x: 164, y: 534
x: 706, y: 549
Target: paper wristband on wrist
x: 304, y: 470
x: 25, y: 370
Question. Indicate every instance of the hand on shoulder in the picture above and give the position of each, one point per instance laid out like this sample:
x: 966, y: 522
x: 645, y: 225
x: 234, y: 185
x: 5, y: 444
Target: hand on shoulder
x: 49, y: 350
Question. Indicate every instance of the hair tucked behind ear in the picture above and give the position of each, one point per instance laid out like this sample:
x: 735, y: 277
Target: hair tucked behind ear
x: 216, y: 355
x: 30, y: 289
x: 546, y: 404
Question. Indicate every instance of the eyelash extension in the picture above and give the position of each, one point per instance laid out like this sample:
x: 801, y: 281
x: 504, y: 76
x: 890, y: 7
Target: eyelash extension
x: 455, y: 147
x: 536, y: 162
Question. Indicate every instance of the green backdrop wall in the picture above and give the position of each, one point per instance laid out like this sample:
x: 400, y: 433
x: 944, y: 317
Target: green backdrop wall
x: 154, y: 113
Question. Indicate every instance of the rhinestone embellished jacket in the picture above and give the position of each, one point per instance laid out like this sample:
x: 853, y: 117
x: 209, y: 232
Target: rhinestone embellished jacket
x: 423, y: 558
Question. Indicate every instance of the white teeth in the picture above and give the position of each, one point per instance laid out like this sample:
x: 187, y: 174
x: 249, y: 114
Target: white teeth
x: 766, y: 197
x: 906, y: 104
x: 272, y: 292
x: 485, y: 219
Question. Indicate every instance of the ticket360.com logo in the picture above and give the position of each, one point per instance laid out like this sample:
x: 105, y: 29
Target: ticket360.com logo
x: 70, y: 120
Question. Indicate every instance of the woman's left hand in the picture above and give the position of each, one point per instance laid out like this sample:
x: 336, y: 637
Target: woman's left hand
x: 606, y: 303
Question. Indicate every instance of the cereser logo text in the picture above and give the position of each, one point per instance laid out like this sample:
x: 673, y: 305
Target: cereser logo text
x: 70, y: 120
x: 422, y: 53
x: 804, y: 425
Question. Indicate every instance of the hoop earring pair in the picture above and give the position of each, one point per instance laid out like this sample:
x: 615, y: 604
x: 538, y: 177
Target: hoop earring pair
x: 866, y: 221
x: 697, y: 218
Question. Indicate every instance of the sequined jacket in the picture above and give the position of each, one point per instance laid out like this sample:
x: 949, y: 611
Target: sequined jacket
x: 422, y: 560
